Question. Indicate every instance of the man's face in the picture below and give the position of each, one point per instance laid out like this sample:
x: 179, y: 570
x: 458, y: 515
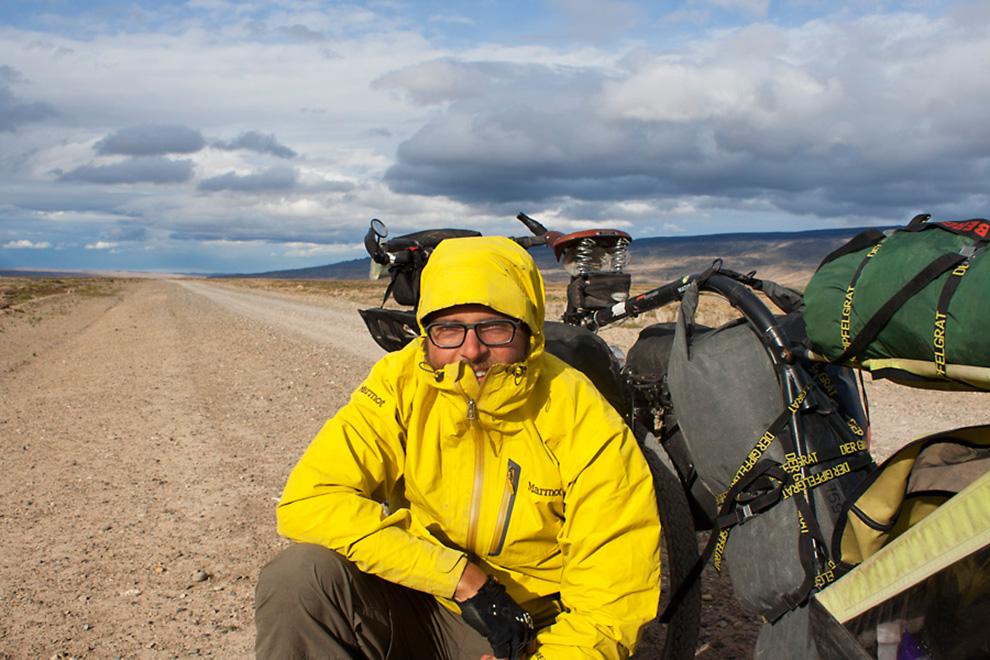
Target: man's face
x: 478, y: 356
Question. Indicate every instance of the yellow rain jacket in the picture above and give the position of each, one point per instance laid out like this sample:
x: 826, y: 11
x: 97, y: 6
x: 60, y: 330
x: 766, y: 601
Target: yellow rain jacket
x: 532, y: 475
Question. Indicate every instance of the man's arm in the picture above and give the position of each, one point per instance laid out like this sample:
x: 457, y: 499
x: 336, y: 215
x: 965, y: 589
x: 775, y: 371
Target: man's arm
x: 334, y: 497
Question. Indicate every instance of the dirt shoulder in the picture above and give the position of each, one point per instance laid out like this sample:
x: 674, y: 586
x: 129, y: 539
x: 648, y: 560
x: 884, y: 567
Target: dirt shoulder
x: 145, y: 437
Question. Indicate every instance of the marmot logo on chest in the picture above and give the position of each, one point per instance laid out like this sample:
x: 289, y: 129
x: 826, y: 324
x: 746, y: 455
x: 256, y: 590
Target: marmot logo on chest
x: 545, y: 492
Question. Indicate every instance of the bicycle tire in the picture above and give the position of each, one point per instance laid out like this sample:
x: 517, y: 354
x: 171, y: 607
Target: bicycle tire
x: 678, y: 639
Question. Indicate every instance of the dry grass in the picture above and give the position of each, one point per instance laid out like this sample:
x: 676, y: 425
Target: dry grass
x: 15, y: 291
x: 368, y: 292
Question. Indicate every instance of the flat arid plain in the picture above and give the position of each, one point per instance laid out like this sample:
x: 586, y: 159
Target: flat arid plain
x: 147, y: 428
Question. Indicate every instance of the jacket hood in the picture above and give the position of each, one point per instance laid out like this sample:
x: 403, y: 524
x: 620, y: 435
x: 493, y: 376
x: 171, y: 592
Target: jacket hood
x: 486, y: 270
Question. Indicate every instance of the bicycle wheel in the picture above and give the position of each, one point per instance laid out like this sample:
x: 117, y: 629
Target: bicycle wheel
x: 679, y: 552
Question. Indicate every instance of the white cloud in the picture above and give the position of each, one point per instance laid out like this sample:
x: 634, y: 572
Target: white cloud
x: 27, y: 245
x: 453, y: 19
x: 755, y: 8
x: 321, y: 250
x: 597, y: 19
x: 182, y: 129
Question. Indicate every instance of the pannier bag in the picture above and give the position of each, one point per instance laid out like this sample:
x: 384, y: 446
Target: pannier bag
x: 922, y: 590
x: 777, y: 461
x: 907, y: 304
x: 908, y: 486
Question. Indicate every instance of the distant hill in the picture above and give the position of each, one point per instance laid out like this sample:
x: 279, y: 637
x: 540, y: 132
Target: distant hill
x: 355, y: 269
x: 785, y: 257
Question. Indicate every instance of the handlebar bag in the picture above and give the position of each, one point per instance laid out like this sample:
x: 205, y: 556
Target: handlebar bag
x: 411, y: 254
x: 907, y: 304
x: 597, y: 290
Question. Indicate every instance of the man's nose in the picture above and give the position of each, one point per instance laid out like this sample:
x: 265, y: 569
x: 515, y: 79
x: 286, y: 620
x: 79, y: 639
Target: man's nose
x: 472, y: 346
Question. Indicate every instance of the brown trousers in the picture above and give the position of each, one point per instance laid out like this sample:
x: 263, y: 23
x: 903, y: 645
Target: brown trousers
x: 313, y: 604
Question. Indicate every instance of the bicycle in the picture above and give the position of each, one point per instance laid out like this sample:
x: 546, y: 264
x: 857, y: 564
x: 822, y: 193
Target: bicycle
x: 598, y: 296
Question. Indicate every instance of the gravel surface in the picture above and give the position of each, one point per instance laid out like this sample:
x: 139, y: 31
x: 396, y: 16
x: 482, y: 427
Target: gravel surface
x: 146, y: 436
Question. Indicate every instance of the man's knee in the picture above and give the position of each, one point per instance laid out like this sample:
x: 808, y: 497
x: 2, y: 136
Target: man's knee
x: 303, y: 567
x: 312, y: 602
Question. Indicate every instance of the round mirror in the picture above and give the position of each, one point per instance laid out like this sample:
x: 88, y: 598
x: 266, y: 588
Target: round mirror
x: 377, y: 226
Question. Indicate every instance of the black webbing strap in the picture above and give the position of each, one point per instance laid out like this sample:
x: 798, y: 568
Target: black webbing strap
x: 858, y: 242
x: 388, y: 289
x: 942, y: 310
x: 810, y: 532
x: 782, y: 481
x: 882, y: 316
x: 958, y: 262
x: 846, y: 317
x: 851, y: 430
x: 765, y: 467
x: 727, y: 500
x: 783, y: 485
x: 771, y: 434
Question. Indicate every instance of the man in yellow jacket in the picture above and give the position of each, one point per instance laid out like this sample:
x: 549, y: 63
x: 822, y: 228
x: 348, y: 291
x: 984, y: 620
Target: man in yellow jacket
x: 477, y: 497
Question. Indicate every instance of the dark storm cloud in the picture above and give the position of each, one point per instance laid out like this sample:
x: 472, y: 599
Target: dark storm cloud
x: 255, y: 141
x: 152, y: 140
x: 127, y: 232
x: 273, y: 179
x: 148, y: 169
x: 300, y: 32
x: 15, y: 112
x: 765, y: 118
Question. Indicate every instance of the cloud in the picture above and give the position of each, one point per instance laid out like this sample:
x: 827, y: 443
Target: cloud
x: 754, y: 8
x: 129, y: 232
x: 272, y: 179
x: 447, y: 80
x: 597, y: 19
x: 152, y: 140
x: 301, y: 33
x: 27, y: 245
x: 451, y: 19
x: 14, y: 112
x: 256, y: 141
x: 148, y: 169
x: 9, y: 75
x: 812, y: 115
x: 846, y: 118
x: 101, y: 245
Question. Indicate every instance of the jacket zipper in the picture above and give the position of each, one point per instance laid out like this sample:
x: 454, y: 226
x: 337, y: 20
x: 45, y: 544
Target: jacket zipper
x: 505, y: 510
x: 479, y: 476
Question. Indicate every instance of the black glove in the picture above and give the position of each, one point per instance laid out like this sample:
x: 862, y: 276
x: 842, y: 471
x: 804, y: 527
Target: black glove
x: 506, y: 625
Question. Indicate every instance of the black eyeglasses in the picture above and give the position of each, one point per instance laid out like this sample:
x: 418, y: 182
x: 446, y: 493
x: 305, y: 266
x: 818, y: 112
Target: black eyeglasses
x: 494, y: 332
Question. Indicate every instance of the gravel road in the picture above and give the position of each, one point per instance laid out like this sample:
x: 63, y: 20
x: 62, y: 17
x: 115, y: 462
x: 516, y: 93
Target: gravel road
x: 145, y: 437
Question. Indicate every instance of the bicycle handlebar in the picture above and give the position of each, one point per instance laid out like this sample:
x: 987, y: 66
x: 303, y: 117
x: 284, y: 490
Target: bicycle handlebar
x: 733, y: 286
x: 529, y: 241
x: 533, y: 225
x: 724, y: 283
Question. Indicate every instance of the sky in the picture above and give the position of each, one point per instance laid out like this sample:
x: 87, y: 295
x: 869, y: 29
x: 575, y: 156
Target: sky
x: 211, y: 136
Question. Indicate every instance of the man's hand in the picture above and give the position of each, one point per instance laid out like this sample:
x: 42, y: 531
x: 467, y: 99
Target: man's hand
x: 506, y: 625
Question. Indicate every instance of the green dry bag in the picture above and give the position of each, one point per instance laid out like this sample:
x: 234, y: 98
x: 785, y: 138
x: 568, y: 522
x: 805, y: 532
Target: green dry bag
x: 908, y: 304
